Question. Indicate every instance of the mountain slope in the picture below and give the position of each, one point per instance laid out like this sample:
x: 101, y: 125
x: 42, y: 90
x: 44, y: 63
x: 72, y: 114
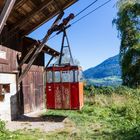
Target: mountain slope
x: 108, y: 68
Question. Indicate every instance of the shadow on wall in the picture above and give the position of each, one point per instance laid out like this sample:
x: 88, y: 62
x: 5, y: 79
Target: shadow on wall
x: 17, y: 104
x: 14, y: 107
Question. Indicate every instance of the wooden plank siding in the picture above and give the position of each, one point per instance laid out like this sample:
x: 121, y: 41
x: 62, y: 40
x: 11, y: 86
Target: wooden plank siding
x: 33, y: 84
x: 10, y: 64
x: 32, y: 88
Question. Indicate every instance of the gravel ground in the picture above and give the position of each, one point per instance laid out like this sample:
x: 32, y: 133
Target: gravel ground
x: 35, y: 121
x: 42, y: 126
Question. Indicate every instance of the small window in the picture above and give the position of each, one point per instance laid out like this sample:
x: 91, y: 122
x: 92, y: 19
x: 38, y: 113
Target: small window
x: 71, y: 76
x: 65, y: 76
x: 80, y: 76
x: 75, y: 76
x: 49, y: 77
x: 4, y: 88
x: 57, y: 78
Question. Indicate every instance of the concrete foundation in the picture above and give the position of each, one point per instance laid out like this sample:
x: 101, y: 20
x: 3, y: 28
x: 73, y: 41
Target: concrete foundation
x: 8, y: 104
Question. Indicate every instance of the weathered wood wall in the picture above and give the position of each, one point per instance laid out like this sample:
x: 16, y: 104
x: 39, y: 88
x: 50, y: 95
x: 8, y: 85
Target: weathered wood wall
x: 10, y: 45
x: 9, y: 64
x: 33, y: 89
x: 33, y: 83
x: 30, y: 97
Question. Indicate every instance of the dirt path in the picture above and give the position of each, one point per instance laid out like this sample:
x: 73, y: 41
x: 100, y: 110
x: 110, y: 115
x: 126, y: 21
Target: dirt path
x: 36, y: 121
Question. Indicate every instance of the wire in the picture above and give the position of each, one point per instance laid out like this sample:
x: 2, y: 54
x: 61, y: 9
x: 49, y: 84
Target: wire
x: 77, y: 14
x: 84, y: 16
x: 86, y: 8
x: 91, y: 12
x: 52, y: 37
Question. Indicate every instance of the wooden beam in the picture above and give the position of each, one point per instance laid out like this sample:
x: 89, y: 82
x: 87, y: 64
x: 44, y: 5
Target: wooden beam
x: 50, y: 51
x: 39, y: 49
x: 46, y: 49
x: 5, y: 13
x: 31, y: 14
x: 27, y: 56
x: 66, y: 5
x: 45, y: 19
x: 19, y: 3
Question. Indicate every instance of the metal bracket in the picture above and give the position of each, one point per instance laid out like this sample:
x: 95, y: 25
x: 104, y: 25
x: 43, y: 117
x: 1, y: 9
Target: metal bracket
x: 62, y: 47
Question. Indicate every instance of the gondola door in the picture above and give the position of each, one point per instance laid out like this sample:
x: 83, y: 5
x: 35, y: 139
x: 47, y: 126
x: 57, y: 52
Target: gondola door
x: 62, y: 90
x: 66, y: 90
x: 57, y: 90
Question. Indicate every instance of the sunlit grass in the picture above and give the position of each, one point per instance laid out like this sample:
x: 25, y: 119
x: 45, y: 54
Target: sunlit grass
x: 113, y: 116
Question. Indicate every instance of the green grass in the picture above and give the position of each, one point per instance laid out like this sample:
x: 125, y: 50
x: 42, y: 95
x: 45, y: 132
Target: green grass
x: 113, y: 116
x: 105, y: 117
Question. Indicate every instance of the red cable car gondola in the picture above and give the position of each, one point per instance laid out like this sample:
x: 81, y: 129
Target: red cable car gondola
x: 64, y: 87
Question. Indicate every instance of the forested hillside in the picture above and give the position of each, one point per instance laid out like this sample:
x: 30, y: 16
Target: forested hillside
x: 107, y: 73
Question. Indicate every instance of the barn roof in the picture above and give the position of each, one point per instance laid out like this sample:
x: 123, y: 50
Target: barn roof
x: 46, y: 49
x: 27, y: 15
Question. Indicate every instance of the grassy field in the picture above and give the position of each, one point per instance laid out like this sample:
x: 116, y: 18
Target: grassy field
x: 108, y: 114
x: 107, y: 81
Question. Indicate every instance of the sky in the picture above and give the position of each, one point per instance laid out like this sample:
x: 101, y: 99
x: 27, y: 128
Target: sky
x: 93, y: 39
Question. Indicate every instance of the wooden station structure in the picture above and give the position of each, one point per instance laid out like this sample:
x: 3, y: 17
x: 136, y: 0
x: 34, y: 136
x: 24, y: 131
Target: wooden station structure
x: 22, y: 86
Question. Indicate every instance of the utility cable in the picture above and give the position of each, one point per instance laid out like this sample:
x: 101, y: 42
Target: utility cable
x: 91, y: 12
x: 86, y: 8
x: 60, y: 10
x: 84, y: 16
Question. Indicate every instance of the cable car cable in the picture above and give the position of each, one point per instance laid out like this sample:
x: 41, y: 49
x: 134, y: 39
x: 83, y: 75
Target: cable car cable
x: 70, y: 25
x: 91, y: 12
x: 86, y: 8
x: 84, y: 16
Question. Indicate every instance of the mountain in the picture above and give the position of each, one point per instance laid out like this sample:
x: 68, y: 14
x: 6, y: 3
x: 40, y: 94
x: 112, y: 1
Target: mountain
x: 109, y: 67
x: 106, y: 73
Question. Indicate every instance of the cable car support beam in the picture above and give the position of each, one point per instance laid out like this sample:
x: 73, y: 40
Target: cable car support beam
x: 49, y: 62
x: 62, y: 47
x: 40, y: 47
x: 55, y: 27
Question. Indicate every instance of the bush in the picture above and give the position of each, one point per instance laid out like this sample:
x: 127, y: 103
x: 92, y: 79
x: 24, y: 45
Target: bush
x: 121, y: 90
x: 2, y: 126
x: 6, y: 134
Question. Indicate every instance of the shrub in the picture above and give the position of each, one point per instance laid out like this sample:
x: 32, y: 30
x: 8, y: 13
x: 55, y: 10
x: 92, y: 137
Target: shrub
x: 6, y: 134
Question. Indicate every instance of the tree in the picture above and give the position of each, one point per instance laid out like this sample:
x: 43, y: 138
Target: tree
x: 128, y: 24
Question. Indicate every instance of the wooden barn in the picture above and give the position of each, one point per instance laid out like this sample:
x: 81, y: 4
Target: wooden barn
x: 21, y: 79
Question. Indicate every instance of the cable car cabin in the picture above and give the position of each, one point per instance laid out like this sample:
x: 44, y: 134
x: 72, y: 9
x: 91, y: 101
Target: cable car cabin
x: 64, y: 88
